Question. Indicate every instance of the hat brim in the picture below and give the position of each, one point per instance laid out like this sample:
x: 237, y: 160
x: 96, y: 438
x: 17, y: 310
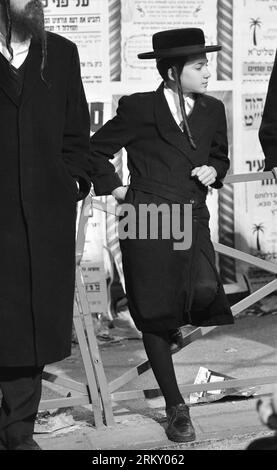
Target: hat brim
x: 179, y: 52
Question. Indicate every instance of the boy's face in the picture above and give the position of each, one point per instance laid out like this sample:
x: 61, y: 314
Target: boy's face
x: 195, y: 74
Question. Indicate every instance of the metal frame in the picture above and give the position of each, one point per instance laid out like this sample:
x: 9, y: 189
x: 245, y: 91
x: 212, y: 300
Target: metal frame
x: 202, y: 331
x: 97, y: 392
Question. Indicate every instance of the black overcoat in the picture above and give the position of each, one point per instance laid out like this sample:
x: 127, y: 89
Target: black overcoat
x: 268, y: 128
x: 159, y: 280
x: 44, y: 138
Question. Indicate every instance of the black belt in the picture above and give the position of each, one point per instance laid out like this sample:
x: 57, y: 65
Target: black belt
x: 166, y: 191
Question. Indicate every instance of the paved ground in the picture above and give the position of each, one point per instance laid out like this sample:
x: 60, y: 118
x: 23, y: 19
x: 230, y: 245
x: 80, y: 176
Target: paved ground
x: 224, y: 426
x: 248, y: 349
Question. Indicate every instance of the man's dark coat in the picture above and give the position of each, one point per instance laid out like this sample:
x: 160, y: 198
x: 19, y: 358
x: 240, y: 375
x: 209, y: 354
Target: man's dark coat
x: 44, y: 136
x: 268, y: 128
x: 159, y: 280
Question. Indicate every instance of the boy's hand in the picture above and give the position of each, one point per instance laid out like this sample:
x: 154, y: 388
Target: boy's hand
x: 120, y: 193
x: 205, y: 174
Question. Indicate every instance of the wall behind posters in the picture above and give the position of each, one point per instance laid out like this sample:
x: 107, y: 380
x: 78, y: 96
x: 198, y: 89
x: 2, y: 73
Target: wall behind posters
x: 109, y: 35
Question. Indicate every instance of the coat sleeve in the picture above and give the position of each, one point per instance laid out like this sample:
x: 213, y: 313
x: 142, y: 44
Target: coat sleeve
x: 75, y: 150
x: 268, y: 128
x: 218, y: 157
x: 105, y: 143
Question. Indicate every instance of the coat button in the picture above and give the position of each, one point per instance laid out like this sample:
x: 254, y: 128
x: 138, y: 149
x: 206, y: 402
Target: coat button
x: 192, y: 201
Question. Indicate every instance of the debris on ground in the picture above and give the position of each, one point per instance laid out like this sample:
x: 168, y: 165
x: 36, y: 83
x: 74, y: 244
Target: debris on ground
x: 124, y: 322
x: 266, y: 306
x: 55, y: 421
x: 230, y: 350
x: 205, y: 375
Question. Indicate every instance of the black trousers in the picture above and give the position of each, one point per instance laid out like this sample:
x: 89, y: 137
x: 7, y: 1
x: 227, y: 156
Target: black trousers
x: 21, y: 393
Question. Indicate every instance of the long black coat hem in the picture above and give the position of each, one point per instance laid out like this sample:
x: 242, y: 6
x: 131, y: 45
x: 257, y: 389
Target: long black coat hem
x: 164, y: 326
x: 48, y: 360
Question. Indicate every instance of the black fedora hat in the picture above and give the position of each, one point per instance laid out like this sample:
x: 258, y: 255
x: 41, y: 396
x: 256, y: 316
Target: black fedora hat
x: 177, y: 43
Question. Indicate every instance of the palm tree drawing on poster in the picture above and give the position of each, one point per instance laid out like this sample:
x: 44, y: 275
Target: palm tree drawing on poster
x: 258, y: 228
x: 255, y: 24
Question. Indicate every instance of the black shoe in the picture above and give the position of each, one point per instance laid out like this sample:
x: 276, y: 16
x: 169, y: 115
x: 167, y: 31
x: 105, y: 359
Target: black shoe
x: 176, y: 340
x: 26, y: 444
x: 180, y: 428
x: 264, y: 443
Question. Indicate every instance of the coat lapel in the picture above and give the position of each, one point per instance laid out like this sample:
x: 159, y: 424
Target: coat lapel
x: 32, y: 71
x: 6, y: 82
x: 32, y: 75
x: 198, y: 119
x: 169, y: 129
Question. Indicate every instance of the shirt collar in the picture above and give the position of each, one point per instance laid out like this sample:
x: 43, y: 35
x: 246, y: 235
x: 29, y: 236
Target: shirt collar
x: 18, y: 47
x: 173, y: 102
x: 174, y: 96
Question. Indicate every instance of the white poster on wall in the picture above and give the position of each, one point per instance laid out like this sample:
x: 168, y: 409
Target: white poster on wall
x: 142, y: 18
x: 259, y: 30
x: 85, y: 22
x: 256, y: 202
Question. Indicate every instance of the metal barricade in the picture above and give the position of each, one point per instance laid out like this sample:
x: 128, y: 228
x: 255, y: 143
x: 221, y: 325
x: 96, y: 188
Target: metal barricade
x: 97, y: 391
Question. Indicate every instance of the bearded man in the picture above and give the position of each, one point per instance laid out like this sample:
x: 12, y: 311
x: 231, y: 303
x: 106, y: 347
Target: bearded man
x: 44, y: 141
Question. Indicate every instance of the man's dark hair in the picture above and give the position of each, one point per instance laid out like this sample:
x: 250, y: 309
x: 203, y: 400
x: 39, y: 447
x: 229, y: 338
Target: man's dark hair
x: 6, y: 9
x: 163, y: 65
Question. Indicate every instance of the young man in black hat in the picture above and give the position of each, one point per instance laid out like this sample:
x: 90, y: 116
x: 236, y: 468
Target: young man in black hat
x: 176, y: 143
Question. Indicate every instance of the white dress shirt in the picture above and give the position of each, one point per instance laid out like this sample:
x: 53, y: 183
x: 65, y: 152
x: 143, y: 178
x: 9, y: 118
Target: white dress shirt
x: 20, y: 51
x: 174, y: 106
